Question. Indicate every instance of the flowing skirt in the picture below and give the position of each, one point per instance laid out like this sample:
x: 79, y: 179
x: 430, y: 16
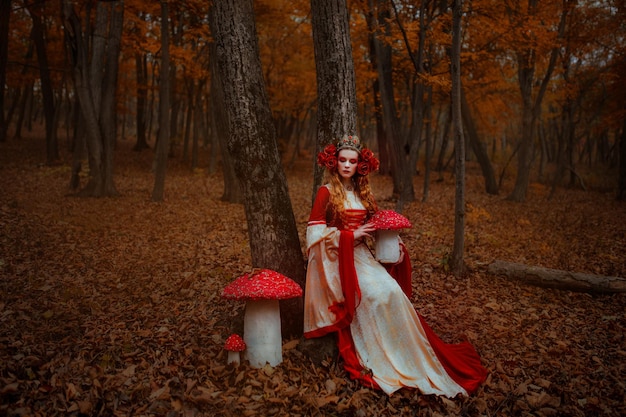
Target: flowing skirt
x: 384, y: 342
x: 388, y: 335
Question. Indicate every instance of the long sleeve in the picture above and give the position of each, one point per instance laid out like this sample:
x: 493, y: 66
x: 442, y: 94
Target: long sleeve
x: 330, y: 273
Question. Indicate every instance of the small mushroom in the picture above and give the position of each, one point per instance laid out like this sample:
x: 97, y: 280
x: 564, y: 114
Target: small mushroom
x: 388, y: 223
x: 234, y: 344
x: 261, y: 323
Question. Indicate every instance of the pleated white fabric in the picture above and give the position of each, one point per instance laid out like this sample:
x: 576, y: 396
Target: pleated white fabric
x: 389, y: 338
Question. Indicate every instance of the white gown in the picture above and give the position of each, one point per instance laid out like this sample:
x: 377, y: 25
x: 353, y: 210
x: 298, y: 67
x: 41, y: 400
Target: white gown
x: 388, y: 337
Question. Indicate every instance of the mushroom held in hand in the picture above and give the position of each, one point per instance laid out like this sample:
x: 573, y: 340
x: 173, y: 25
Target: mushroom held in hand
x: 234, y: 344
x: 388, y: 223
x: 261, y: 324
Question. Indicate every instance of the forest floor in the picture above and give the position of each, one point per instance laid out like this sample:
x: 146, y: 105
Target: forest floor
x: 112, y: 306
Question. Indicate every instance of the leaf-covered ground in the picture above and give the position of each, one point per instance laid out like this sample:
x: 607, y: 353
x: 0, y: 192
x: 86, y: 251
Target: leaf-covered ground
x: 112, y: 306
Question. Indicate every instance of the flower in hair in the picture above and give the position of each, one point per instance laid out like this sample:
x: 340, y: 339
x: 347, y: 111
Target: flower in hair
x: 327, y: 158
x: 369, y: 163
x: 367, y: 154
x: 363, y: 168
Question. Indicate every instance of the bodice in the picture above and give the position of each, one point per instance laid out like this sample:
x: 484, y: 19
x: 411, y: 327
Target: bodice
x: 354, y: 218
x: 355, y: 211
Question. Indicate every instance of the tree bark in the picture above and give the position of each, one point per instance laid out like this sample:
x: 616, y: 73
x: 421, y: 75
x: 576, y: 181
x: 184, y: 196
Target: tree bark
x: 52, y: 147
x: 162, y: 147
x: 428, y: 151
x: 141, y: 71
x: 78, y: 49
x: 559, y: 279
x: 97, y: 108
x: 198, y: 126
x: 24, y: 102
x: 416, y: 131
x: 491, y: 185
x: 175, y: 99
x: 444, y: 141
x: 381, y: 135
x: 457, y: 260
x: 108, y: 112
x: 336, y: 102
x: 219, y: 117
x: 5, y: 13
x: 621, y: 192
x: 402, y: 175
x: 531, y: 108
x: 336, y: 83
x: 272, y: 230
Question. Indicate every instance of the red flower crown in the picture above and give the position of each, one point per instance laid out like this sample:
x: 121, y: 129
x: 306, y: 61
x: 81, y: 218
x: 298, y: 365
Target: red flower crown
x: 327, y: 158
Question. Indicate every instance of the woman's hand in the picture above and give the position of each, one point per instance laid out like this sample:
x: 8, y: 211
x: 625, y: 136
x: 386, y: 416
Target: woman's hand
x: 364, y: 230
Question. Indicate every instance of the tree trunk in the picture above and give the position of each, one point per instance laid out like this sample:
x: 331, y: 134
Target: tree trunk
x: 97, y: 109
x: 79, y: 49
x: 79, y: 149
x: 402, y: 175
x: 457, y: 260
x: 175, y: 99
x: 531, y: 109
x: 52, y: 147
x: 198, y: 125
x: 491, y: 185
x: 336, y: 83
x: 416, y: 132
x: 190, y: 85
x: 219, y: 118
x: 381, y: 136
x: 417, y: 126
x: 429, y: 143
x: 108, y: 111
x: 336, y: 102
x: 5, y: 13
x: 98, y: 50
x: 175, y: 104
x: 621, y: 193
x: 272, y: 230
x: 555, y: 278
x: 524, y: 155
x: 162, y: 147
x: 381, y: 60
x: 23, y: 105
x: 141, y: 71
x: 22, y: 94
x: 444, y: 141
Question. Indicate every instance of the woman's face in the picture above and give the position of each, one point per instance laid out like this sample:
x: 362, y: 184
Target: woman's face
x: 348, y: 161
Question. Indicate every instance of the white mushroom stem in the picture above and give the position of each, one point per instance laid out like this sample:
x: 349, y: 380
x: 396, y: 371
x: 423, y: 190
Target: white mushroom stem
x: 388, y: 246
x: 262, y: 333
x: 233, y: 357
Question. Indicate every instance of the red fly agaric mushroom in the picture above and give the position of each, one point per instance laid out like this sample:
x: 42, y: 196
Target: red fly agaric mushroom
x: 261, y: 290
x: 388, y: 223
x: 234, y: 344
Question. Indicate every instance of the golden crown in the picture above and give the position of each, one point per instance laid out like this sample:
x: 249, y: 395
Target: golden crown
x: 349, y: 142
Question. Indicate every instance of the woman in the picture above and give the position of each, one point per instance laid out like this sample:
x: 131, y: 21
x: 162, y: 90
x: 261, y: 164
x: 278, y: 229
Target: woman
x: 383, y: 341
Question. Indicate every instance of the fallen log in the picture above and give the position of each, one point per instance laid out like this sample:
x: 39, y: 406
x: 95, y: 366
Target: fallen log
x: 559, y: 279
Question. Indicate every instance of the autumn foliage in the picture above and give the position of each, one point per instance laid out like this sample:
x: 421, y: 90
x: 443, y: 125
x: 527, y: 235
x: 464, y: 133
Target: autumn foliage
x: 578, y: 120
x: 112, y: 306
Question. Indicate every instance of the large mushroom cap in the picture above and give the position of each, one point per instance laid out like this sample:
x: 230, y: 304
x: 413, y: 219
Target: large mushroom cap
x: 389, y: 220
x: 235, y: 343
x: 264, y: 284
